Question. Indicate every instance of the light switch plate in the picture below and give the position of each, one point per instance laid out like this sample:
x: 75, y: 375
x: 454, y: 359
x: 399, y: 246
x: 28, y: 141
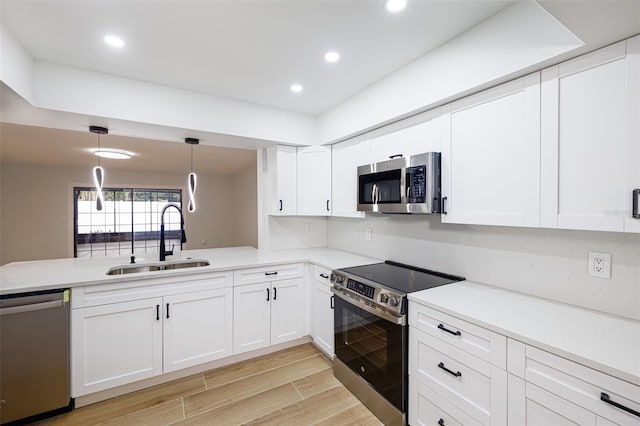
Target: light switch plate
x: 600, y: 265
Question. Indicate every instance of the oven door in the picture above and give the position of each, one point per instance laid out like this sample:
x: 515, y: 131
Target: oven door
x: 374, y: 348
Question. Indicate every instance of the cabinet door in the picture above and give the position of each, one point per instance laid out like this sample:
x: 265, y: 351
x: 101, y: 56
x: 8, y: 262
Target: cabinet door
x: 286, y: 310
x: 197, y: 328
x: 251, y: 317
x: 314, y: 181
x: 345, y: 159
x: 409, y: 138
x: 323, y: 317
x: 282, y: 171
x: 116, y: 344
x: 589, y: 118
x: 491, y: 156
x: 632, y: 224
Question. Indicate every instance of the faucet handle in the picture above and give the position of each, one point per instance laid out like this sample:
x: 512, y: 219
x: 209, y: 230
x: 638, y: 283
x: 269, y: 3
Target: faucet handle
x: 170, y: 252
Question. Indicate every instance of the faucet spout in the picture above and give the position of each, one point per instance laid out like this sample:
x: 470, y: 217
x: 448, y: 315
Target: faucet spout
x: 163, y: 249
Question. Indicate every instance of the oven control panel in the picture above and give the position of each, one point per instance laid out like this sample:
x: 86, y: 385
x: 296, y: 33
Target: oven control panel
x: 362, y: 289
x: 378, y: 296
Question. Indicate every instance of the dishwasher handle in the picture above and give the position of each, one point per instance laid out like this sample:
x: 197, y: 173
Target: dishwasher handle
x: 30, y: 308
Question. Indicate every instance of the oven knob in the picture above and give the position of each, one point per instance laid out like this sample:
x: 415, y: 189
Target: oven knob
x: 336, y: 279
x: 393, y: 301
x: 384, y: 298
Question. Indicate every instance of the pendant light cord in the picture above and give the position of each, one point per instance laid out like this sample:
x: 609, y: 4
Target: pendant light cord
x: 99, y: 149
x: 192, y: 158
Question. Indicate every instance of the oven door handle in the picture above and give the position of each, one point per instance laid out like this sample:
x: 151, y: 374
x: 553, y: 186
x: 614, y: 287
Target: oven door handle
x: 402, y: 320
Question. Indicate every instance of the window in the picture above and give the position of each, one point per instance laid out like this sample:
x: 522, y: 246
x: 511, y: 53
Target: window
x: 129, y: 221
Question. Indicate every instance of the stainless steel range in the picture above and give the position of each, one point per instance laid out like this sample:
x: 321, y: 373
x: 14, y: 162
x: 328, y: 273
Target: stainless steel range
x: 371, y: 333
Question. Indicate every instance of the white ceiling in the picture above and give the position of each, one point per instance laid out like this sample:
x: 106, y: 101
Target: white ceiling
x: 250, y: 50
x: 67, y: 148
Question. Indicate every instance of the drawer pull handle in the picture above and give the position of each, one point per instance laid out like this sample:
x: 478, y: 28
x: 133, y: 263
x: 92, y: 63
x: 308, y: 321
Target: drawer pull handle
x: 443, y: 328
x: 271, y: 273
x: 441, y: 422
x: 325, y: 276
x: 453, y: 373
x: 268, y: 294
x: 605, y: 397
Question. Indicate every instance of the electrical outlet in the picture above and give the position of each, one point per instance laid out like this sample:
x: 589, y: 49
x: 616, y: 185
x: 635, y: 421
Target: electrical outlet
x: 600, y: 265
x: 367, y: 234
x: 309, y: 227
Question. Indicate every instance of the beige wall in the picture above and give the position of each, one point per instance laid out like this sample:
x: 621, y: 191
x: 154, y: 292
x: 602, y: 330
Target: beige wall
x: 244, y: 198
x: 36, y: 208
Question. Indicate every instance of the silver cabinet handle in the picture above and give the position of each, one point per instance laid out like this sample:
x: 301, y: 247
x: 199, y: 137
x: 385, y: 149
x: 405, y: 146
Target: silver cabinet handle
x: 635, y: 211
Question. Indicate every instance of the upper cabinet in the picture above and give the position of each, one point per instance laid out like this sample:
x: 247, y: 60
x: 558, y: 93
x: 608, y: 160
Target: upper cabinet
x: 591, y: 140
x: 345, y: 159
x: 282, y: 175
x: 314, y: 181
x: 491, y: 156
x: 421, y: 137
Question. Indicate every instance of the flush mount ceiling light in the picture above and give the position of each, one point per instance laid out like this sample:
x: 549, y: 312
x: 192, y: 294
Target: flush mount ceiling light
x: 114, y: 41
x: 98, y: 171
x: 296, y: 88
x: 192, y: 179
x: 113, y: 153
x: 395, y: 5
x: 332, y: 57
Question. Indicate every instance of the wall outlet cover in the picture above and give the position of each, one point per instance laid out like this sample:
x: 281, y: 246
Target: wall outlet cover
x: 600, y: 265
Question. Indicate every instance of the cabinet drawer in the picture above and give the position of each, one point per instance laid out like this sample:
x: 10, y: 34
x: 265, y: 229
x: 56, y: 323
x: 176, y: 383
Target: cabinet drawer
x: 426, y: 407
x: 321, y: 274
x: 267, y: 273
x: 102, y: 294
x: 582, y: 385
x: 478, y: 341
x: 459, y: 377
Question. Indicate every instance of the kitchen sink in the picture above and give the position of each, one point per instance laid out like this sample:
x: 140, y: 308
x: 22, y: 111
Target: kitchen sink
x: 134, y: 269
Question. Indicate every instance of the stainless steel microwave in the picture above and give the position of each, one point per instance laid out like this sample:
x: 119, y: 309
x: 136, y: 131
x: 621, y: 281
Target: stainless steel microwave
x: 401, y: 185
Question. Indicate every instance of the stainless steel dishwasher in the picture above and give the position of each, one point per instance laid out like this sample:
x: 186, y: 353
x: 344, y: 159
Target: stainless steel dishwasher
x: 34, y: 355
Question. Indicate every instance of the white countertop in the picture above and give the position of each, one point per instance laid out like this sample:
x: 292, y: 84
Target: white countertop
x: 600, y: 341
x: 65, y: 273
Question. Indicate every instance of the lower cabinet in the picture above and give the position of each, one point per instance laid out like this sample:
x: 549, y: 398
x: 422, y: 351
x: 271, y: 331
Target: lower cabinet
x: 117, y: 342
x: 322, y: 306
x: 197, y: 328
x: 463, y: 374
x: 267, y: 313
x: 545, y: 389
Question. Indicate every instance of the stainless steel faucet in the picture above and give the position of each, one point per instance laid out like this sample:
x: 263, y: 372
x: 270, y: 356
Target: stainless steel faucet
x: 163, y: 250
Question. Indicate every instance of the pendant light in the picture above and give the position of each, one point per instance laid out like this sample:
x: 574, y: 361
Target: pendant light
x: 98, y: 171
x: 192, y: 178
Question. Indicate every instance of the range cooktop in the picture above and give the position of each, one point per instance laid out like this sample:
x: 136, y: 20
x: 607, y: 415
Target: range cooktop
x: 400, y: 277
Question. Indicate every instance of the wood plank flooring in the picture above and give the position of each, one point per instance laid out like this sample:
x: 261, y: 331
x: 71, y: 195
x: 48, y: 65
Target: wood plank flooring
x: 290, y: 387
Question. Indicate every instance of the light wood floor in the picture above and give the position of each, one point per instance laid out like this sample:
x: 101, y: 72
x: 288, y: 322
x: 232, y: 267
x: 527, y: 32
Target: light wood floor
x: 290, y: 387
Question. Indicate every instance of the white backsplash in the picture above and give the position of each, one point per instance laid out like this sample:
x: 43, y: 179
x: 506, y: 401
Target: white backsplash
x: 543, y: 262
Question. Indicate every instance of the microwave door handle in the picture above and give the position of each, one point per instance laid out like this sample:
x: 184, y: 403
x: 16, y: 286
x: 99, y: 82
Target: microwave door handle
x: 377, y: 194
x: 373, y: 194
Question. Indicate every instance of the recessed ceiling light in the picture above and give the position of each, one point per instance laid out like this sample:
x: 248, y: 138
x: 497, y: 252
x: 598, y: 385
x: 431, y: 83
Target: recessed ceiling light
x: 113, y: 153
x: 395, y: 5
x: 114, y: 41
x: 331, y: 57
x: 296, y: 88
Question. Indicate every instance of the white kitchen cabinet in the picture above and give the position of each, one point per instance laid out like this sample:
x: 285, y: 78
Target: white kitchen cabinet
x: 116, y: 344
x: 197, y: 328
x: 416, y: 135
x: 545, y: 389
x: 322, y: 301
x: 129, y: 331
x: 491, y: 156
x: 591, y: 140
x: 282, y: 180
x: 460, y: 363
x: 314, y: 181
x: 346, y: 157
x: 269, y: 311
